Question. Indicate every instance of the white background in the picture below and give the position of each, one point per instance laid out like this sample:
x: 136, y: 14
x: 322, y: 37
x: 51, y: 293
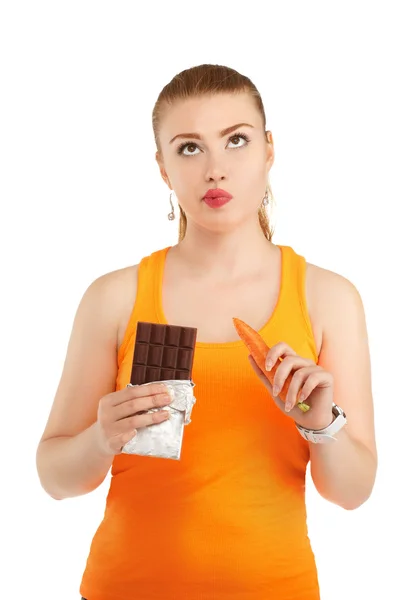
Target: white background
x: 81, y: 195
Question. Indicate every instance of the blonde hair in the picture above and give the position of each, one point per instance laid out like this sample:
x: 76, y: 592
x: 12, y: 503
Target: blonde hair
x: 202, y: 80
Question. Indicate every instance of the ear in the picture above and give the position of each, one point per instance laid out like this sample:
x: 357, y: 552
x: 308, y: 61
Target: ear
x: 163, y: 172
x: 270, y: 148
x: 268, y: 137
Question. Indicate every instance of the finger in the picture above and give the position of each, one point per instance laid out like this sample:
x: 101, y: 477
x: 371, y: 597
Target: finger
x: 138, y: 405
x: 147, y: 419
x: 283, y: 371
x: 280, y: 350
x: 118, y: 442
x: 138, y: 391
x: 318, y: 378
x: 298, y: 379
x: 139, y: 421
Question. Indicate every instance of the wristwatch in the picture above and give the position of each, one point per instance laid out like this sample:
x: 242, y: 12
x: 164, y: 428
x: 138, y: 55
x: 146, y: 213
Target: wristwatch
x: 326, y: 435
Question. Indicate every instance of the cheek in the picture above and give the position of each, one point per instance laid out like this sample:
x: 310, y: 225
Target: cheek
x: 252, y: 169
x: 186, y: 174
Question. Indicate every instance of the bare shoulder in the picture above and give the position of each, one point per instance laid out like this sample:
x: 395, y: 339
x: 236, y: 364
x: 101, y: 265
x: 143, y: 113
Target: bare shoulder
x: 331, y: 296
x: 111, y: 296
x: 116, y: 291
x: 113, y: 283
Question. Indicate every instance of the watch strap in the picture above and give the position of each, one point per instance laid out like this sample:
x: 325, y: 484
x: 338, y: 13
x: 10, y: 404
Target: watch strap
x: 326, y: 435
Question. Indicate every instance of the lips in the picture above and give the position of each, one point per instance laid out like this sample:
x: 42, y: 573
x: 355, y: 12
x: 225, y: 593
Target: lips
x: 218, y: 193
x: 217, y: 197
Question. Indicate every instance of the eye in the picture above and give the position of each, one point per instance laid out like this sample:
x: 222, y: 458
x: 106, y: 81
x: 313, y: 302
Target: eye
x: 235, y: 139
x: 187, y: 146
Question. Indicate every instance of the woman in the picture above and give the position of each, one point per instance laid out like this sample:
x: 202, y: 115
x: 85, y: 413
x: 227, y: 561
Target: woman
x: 227, y: 520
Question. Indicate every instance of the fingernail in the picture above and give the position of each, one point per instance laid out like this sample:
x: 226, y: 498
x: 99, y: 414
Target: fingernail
x: 170, y: 390
x: 166, y: 398
x: 287, y: 407
x: 302, y: 397
x: 275, y: 390
x: 268, y: 366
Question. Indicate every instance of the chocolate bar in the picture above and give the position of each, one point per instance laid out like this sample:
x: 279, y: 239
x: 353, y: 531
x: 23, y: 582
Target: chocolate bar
x: 162, y: 352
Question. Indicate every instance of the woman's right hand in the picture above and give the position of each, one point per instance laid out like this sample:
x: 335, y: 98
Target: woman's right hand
x: 121, y: 413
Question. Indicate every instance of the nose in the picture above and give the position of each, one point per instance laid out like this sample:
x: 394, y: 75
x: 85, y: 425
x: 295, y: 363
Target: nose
x: 215, y: 170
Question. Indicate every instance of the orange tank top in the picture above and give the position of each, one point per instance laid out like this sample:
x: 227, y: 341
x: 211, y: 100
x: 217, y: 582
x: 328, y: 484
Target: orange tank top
x: 228, y: 520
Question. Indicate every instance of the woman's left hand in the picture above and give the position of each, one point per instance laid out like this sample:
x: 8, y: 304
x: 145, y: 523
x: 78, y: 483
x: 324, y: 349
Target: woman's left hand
x: 309, y: 379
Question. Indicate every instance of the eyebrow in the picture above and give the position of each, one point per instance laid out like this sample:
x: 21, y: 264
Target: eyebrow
x: 222, y: 133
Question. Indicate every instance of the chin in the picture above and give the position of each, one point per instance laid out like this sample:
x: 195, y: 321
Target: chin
x: 222, y: 224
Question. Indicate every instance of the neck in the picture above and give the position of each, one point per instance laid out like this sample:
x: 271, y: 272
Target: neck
x: 225, y: 255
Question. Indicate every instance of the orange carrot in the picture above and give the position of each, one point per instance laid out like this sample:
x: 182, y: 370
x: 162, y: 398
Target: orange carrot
x: 259, y: 350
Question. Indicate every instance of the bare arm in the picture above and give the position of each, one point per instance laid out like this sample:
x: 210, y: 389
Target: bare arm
x: 344, y: 472
x: 72, y: 465
x: 70, y: 458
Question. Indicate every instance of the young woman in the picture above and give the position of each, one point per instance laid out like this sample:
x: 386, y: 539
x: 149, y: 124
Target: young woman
x: 228, y: 520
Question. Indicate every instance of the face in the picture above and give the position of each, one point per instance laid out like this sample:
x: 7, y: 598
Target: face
x: 211, y: 142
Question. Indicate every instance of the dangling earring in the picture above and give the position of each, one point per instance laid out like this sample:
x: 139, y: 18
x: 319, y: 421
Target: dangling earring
x: 265, y: 201
x: 171, y: 215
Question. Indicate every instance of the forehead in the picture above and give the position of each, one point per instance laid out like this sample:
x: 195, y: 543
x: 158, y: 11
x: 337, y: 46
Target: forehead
x: 207, y: 115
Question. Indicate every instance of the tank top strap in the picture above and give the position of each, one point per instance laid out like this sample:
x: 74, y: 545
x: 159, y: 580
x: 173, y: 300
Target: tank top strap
x: 292, y: 317
x: 150, y: 273
x: 293, y: 280
x: 145, y: 307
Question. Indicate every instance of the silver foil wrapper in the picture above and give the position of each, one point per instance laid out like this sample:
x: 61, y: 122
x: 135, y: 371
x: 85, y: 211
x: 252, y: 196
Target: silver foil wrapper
x: 164, y: 440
